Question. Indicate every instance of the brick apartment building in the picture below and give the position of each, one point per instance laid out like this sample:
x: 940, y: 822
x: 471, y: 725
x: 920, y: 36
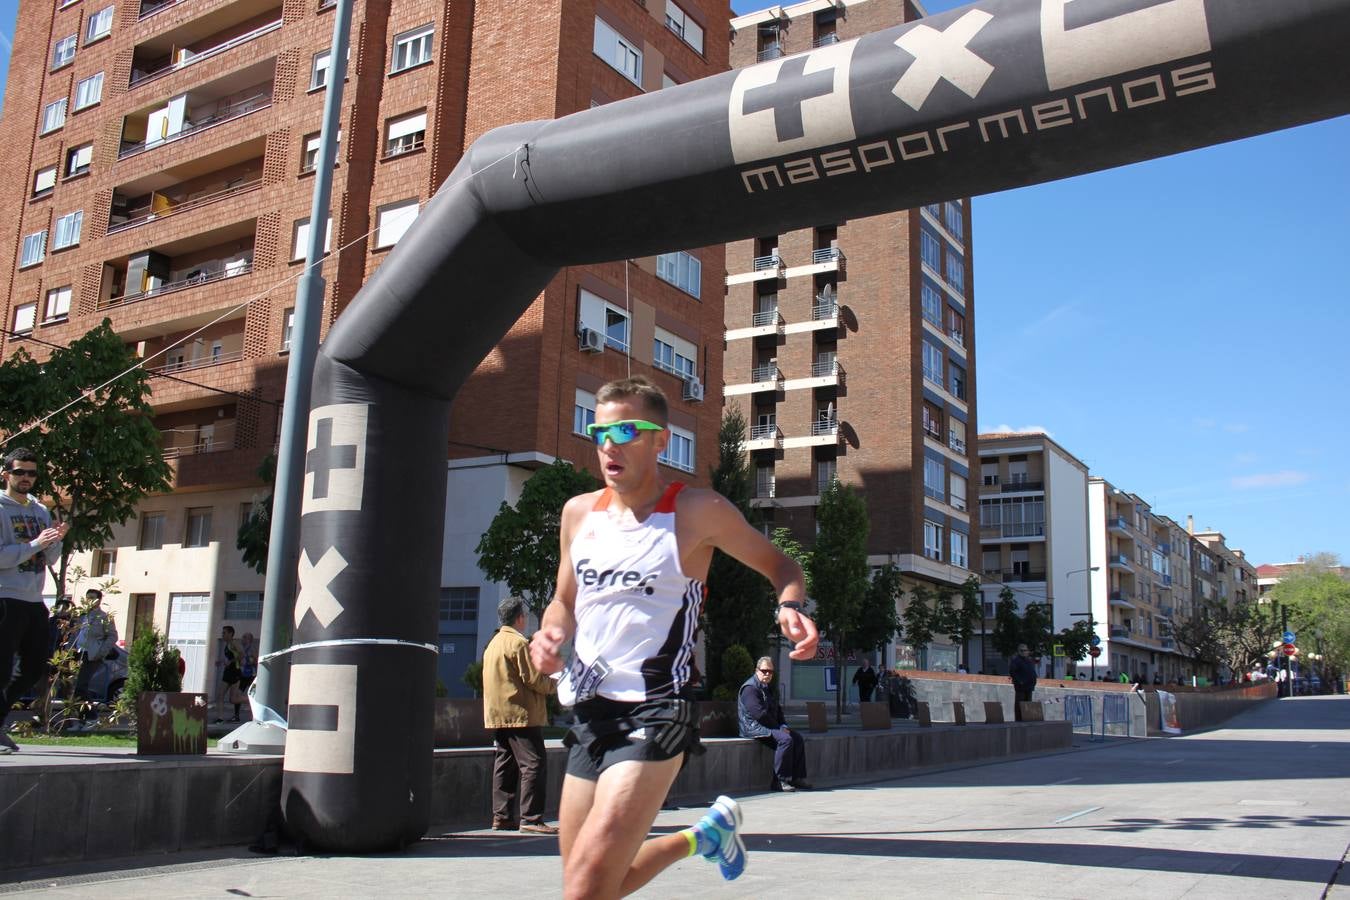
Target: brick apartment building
x: 162, y: 156
x: 850, y: 347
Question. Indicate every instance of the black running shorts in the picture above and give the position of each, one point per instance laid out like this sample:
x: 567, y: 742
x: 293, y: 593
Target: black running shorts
x: 608, y: 732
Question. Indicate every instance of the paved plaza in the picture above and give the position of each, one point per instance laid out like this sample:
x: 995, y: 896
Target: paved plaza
x: 1259, y: 808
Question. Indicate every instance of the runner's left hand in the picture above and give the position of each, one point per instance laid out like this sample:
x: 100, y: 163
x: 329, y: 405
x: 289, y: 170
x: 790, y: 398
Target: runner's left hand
x: 801, y: 631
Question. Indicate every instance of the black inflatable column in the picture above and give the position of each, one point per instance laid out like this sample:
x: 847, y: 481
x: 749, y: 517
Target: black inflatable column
x: 364, y: 671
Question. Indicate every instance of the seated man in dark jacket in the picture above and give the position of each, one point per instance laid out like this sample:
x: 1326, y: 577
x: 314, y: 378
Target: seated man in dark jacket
x: 761, y: 717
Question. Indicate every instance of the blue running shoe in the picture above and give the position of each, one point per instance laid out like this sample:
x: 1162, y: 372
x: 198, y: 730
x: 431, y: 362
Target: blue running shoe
x: 724, y: 818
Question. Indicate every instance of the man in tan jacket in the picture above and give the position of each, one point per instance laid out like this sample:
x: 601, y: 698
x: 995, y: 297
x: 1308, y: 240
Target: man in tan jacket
x: 514, y: 709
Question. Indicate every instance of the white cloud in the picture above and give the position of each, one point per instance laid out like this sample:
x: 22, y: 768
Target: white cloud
x: 1284, y: 478
x: 1008, y: 429
x: 1236, y: 427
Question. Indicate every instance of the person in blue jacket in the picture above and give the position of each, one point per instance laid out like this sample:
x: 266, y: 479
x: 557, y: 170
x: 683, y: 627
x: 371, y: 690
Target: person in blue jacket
x: 761, y: 717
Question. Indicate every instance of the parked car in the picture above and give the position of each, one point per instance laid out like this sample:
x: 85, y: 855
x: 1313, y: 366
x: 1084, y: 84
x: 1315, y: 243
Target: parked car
x: 109, y: 679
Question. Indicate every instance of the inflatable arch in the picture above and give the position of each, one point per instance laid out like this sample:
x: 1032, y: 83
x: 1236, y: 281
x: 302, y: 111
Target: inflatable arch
x: 993, y: 95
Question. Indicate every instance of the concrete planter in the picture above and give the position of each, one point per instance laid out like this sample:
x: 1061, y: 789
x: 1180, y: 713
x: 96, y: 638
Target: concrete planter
x: 459, y: 723
x: 718, y: 718
x: 170, y: 723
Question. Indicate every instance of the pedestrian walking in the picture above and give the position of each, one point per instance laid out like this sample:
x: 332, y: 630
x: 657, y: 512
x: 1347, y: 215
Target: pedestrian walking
x: 1022, y: 673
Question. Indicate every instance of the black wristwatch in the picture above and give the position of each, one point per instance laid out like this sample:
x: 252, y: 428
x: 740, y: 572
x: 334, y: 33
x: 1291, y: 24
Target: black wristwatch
x: 795, y: 605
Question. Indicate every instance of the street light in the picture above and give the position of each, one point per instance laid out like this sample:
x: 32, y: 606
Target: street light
x: 1092, y: 624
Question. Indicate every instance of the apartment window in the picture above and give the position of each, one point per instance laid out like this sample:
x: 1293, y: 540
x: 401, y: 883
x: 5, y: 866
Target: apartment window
x: 956, y: 326
x: 64, y: 51
x: 318, y: 69
x: 300, y: 238
x: 459, y: 604
x: 99, y: 24
x: 766, y: 483
x: 1015, y: 517
x: 956, y: 494
x: 934, y: 478
x: 684, y: 270
x: 44, y: 180
x: 616, y: 50
x: 58, y: 304
x: 198, y: 527
x: 597, y: 315
x: 616, y: 328
x: 953, y: 220
x: 932, y: 419
x: 24, y: 317
x: 53, y: 115
x: 287, y: 326
x: 932, y: 540
x: 932, y: 363
x: 152, y: 531
x: 67, y: 230
x: 89, y: 91
x: 1017, y: 470
x: 674, y: 354
x: 679, y: 450
x: 412, y: 48
x: 932, y: 303
x: 678, y: 21
x: 405, y: 133
x: 827, y: 470
x: 78, y: 160
x: 243, y: 605
x: 583, y: 412
x: 930, y: 251
x: 393, y: 221
x: 309, y: 158
x: 956, y: 271
x: 104, y: 564
x: 989, y: 473
x: 34, y: 249
x: 960, y: 550
x: 956, y: 434
x: 958, y: 382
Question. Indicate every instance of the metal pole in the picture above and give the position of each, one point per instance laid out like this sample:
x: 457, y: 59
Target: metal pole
x: 268, y: 695
x: 1288, y: 673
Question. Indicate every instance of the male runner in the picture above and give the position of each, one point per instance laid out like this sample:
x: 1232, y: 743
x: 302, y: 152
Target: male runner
x: 629, y: 589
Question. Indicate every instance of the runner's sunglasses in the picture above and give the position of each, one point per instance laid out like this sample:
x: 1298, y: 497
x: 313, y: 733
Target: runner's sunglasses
x: 620, y: 432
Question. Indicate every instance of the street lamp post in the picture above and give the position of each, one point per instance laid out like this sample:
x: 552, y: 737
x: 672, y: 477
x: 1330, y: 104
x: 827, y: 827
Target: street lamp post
x: 1092, y: 623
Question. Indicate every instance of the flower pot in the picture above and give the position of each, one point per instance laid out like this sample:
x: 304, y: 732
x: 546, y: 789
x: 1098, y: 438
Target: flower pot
x: 718, y: 718
x: 459, y: 723
x: 170, y: 723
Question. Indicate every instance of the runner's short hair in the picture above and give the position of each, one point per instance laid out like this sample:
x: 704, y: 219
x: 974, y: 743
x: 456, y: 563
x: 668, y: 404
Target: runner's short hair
x: 652, y: 398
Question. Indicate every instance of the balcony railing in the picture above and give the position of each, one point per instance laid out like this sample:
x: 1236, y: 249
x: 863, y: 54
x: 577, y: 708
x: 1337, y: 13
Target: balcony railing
x: 1166, y: 611
x: 1119, y: 596
x: 762, y: 319
x: 765, y: 373
x: 932, y: 430
x: 1167, y: 580
x: 826, y: 254
x: 139, y: 78
x: 764, y: 432
x: 955, y: 443
x: 1019, y: 529
x: 764, y: 263
x: 183, y: 284
x: 1118, y: 559
x: 1012, y: 486
x: 825, y: 40
x: 149, y: 9
x: 1117, y: 522
x: 188, y: 365
x: 1119, y: 632
x: 821, y: 311
x: 1014, y: 575
x: 773, y: 51
x: 826, y: 368
x: 825, y: 427
x: 958, y: 336
x: 148, y: 213
x: 211, y: 446
x: 765, y: 489
x: 222, y: 114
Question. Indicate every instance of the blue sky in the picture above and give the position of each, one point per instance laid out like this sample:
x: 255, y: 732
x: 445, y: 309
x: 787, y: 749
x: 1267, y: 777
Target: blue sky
x: 1179, y: 325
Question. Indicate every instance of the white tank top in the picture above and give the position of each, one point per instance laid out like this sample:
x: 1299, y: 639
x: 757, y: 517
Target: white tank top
x: 636, y: 611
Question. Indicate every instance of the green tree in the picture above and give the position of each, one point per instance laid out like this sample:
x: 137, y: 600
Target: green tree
x: 520, y: 547
x: 839, y: 574
x: 965, y: 616
x: 1038, y: 628
x: 737, y: 666
x: 1007, y: 633
x: 1318, y: 598
x: 918, y: 618
x: 741, y: 604
x: 1076, y: 640
x: 256, y: 530
x: 879, y: 619
x: 152, y: 665
x: 100, y: 455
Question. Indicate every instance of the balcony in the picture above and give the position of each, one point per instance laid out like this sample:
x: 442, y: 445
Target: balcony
x: 1117, y: 524
x: 1015, y: 575
x: 955, y: 443
x: 1119, y: 632
x: 1167, y: 643
x: 825, y: 40
x: 201, y: 39
x: 156, y: 205
x: 823, y: 259
x: 771, y: 51
x: 205, y: 106
x: 1012, y: 530
x: 1122, y: 598
x: 766, y: 323
x: 1164, y: 548
x: 827, y: 372
x: 1166, y: 612
x: 190, y: 262
x: 188, y: 365
x: 156, y: 6
x: 762, y: 378
x: 174, y: 451
x: 764, y: 437
x: 1166, y: 581
x: 825, y: 428
x: 1119, y: 561
x: 1009, y: 487
x: 762, y: 268
x: 824, y: 311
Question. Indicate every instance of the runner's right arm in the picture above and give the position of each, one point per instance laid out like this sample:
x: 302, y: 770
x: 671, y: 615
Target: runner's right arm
x: 558, y: 623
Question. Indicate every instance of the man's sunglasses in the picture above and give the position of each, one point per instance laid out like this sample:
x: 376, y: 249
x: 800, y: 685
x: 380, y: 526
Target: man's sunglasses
x: 620, y: 432
x: 23, y: 473
x: 767, y: 671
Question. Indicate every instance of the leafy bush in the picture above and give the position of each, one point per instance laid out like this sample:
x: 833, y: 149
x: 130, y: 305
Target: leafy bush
x: 737, y: 666
x: 152, y: 665
x: 473, y: 677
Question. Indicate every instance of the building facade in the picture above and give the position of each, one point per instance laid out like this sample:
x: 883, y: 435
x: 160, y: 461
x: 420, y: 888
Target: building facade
x: 1033, y: 534
x: 850, y: 349
x: 162, y: 163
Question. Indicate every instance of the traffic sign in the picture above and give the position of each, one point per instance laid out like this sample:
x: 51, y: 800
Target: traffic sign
x: 1058, y: 650
x: 1288, y: 637
x: 1290, y: 649
x: 1095, y: 652
x: 1096, y: 640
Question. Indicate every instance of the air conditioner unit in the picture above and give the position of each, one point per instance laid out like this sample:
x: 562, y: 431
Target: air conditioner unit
x: 693, y: 389
x: 591, y: 341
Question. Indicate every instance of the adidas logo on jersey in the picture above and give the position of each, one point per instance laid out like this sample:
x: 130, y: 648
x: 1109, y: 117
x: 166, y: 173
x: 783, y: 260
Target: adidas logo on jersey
x: 616, y: 578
